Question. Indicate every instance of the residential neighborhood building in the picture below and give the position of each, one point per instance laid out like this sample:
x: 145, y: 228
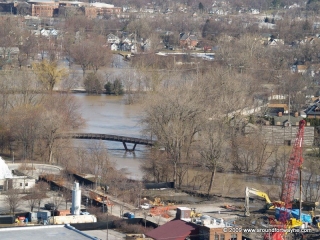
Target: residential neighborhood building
x: 188, y: 40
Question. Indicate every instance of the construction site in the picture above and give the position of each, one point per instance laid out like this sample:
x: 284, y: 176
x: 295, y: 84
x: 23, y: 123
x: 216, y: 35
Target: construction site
x: 247, y: 212
x: 256, y: 214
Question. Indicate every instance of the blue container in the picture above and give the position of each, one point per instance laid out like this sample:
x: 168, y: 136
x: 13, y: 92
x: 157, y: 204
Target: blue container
x: 131, y: 215
x: 304, y: 217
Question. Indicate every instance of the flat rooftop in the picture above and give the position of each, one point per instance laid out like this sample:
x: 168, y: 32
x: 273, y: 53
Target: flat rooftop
x: 53, y: 232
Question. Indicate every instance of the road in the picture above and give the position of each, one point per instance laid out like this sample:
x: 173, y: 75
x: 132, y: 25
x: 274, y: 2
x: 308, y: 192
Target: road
x: 36, y: 169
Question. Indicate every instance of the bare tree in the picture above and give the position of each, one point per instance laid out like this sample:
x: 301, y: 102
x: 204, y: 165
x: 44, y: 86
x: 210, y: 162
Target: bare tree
x: 173, y: 117
x: 12, y: 200
x: 34, y: 195
x: 212, y: 148
x: 60, y: 115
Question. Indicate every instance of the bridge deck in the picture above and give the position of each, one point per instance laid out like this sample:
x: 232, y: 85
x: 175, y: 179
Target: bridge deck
x: 109, y: 137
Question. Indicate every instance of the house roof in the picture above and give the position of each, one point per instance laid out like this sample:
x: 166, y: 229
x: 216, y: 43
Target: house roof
x: 302, y: 67
x: 176, y: 229
x: 278, y: 105
x: 193, y: 37
x: 293, y: 120
x: 313, y: 110
x: 184, y: 36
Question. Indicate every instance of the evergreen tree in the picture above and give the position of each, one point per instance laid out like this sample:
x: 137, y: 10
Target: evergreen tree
x: 115, y: 87
x: 201, y: 7
x: 92, y: 84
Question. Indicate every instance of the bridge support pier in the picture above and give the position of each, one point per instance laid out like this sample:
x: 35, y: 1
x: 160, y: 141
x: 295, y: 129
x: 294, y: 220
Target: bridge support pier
x: 126, y: 148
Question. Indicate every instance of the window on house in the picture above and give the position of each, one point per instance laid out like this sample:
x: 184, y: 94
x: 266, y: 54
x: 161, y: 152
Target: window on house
x: 233, y: 237
x: 26, y: 184
x: 216, y: 236
x: 20, y: 184
x: 222, y: 237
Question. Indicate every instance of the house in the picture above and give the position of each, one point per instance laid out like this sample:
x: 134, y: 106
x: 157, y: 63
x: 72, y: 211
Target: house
x: 111, y: 38
x: 302, y: 69
x: 314, y: 69
x: 276, y: 108
x: 125, y: 46
x: 254, y: 11
x: 184, y: 227
x: 127, y: 40
x: 313, y: 111
x: 114, y: 47
x: 287, y: 120
x: 276, y: 42
x: 188, y: 40
x: 146, y: 45
x: 49, y: 32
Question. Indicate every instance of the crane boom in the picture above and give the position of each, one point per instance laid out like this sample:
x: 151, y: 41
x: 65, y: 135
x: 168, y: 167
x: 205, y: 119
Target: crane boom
x: 292, y: 173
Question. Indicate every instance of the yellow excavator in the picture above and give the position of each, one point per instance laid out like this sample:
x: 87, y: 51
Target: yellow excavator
x: 194, y: 213
x: 269, y: 204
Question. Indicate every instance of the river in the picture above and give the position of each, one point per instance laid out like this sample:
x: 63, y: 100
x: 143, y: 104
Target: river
x: 110, y: 115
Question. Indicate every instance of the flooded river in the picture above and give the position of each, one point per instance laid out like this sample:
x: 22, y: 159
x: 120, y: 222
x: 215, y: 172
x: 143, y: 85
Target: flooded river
x: 110, y: 115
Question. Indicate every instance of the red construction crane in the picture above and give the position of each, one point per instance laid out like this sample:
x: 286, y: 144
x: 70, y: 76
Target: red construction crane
x: 292, y: 173
x: 290, y: 181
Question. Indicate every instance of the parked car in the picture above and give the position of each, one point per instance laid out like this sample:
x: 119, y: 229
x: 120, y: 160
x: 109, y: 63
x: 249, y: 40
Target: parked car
x: 49, y: 206
x: 127, y: 214
x: 84, y: 213
x: 145, y: 206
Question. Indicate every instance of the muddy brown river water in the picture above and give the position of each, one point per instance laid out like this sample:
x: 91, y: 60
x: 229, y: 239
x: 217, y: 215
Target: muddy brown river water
x: 110, y: 115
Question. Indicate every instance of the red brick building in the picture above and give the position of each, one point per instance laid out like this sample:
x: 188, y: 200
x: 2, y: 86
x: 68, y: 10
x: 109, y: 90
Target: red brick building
x: 203, y: 228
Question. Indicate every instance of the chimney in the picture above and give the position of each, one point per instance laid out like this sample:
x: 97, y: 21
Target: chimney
x: 279, y: 114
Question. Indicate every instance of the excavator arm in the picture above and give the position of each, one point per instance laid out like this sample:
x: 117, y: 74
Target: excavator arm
x: 257, y: 193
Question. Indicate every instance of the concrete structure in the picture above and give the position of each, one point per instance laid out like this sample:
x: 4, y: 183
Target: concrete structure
x: 13, y: 180
x: 44, y: 232
x: 281, y: 135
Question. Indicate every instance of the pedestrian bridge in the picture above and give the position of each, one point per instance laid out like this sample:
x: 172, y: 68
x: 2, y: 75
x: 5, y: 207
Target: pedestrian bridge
x: 109, y: 137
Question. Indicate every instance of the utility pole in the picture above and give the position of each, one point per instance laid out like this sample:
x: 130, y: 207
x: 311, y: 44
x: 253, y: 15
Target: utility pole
x: 197, y: 72
x: 300, y: 200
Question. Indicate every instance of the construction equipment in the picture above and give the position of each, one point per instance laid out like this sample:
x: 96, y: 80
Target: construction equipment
x: 289, y: 184
x: 194, y: 214
x: 157, y: 202
x: 272, y: 205
x: 269, y: 204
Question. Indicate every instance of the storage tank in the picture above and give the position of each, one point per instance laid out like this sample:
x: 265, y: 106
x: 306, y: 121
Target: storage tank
x: 205, y: 220
x: 76, y: 199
